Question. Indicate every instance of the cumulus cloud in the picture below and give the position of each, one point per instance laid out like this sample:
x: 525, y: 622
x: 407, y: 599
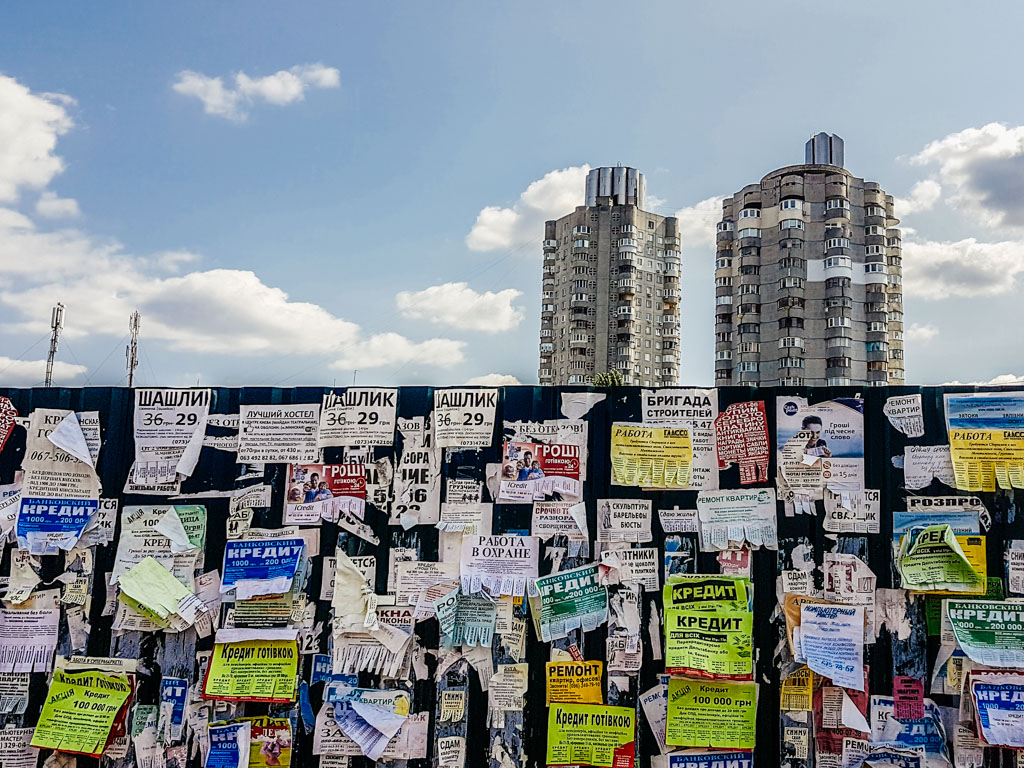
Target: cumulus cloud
x: 923, y: 197
x: 697, y: 223
x: 49, y: 206
x: 30, y: 124
x: 31, y: 373
x: 1002, y: 379
x: 921, y: 333
x: 940, y: 270
x: 984, y: 170
x: 459, y: 306
x: 494, y: 380
x: 234, y: 102
x: 555, y: 195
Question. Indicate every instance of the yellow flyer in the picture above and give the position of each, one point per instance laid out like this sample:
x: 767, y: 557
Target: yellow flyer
x: 574, y: 682
x: 80, y: 710
x: 715, y: 714
x: 581, y: 734
x: 651, y: 457
x: 253, y: 670
x: 986, y: 439
x: 798, y: 691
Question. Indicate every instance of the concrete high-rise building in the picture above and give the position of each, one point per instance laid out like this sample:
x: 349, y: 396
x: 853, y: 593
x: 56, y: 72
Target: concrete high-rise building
x: 808, y: 282
x: 611, y: 287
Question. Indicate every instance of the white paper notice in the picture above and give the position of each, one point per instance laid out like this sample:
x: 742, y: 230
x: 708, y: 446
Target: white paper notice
x: 28, y: 633
x: 624, y: 520
x: 464, y: 418
x: 923, y: 462
x: 693, y: 408
x: 359, y: 416
x: 832, y: 642
x: 417, y: 481
x: 284, y: 434
x: 906, y: 414
x: 169, y: 429
x: 501, y: 565
x: 729, y: 519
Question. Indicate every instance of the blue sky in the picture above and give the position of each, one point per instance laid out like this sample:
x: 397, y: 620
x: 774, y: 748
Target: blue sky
x: 319, y: 207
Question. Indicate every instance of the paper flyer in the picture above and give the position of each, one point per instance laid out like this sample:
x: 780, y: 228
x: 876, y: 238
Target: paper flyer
x: 358, y: 416
x: 66, y: 725
x: 417, y: 480
x: 986, y: 439
x: 285, y: 434
x: 253, y: 669
x: 624, y: 520
x: 651, y: 457
x: 832, y: 642
x: 568, y: 600
x: 576, y: 682
x: 741, y: 437
x: 989, y: 632
x: 502, y: 565
x: 464, y: 418
x: 730, y: 519
x: 590, y: 735
x: 229, y: 745
x: 717, y: 714
x: 540, y: 471
x: 260, y: 566
x: 697, y: 410
x: 322, y: 491
x: 169, y: 425
x: 819, y: 445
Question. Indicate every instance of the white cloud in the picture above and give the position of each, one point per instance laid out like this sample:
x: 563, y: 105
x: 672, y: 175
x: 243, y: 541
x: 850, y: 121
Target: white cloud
x: 49, y: 206
x: 494, y: 380
x: 940, y: 270
x: 921, y: 333
x: 459, y: 306
x: 555, y: 195
x: 233, y: 103
x: 697, y: 223
x: 30, y: 373
x: 1002, y: 379
x: 983, y: 169
x: 29, y: 126
x: 923, y: 197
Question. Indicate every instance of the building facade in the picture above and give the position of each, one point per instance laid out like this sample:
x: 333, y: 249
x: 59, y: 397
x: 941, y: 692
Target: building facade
x: 808, y: 278
x: 611, y: 287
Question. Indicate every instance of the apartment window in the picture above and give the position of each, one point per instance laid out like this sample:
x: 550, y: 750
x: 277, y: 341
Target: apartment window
x: 723, y: 319
x: 724, y: 354
x: 838, y: 282
x: 791, y: 302
x: 838, y: 381
x: 877, y: 326
x: 840, y: 341
x: 627, y: 241
x: 791, y: 322
x: 837, y: 202
x: 750, y: 269
x: 749, y: 309
x: 749, y: 346
x: 840, y: 322
x: 877, y: 346
x: 791, y: 381
x: 838, y: 261
x: 874, y: 267
x: 650, y: 225
x: 838, y: 362
x: 725, y: 373
x: 895, y: 261
x: 748, y: 288
x: 750, y: 213
x: 581, y: 230
x: 874, y: 210
x: 874, y: 229
x: 896, y: 354
x: 581, y: 244
x: 726, y: 226
x: 746, y: 366
x: 723, y: 281
x: 791, y: 224
x: 750, y: 232
x: 791, y: 362
x: 749, y: 328
x: 837, y: 242
x: 874, y: 250
x: 720, y: 300
x: 791, y: 262
x: 791, y: 243
x: 893, y: 242
x: 791, y: 341
x: 792, y: 204
x: 791, y: 282
x: 723, y: 337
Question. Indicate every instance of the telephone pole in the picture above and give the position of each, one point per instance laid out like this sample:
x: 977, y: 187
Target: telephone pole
x: 56, y: 326
x: 131, y: 352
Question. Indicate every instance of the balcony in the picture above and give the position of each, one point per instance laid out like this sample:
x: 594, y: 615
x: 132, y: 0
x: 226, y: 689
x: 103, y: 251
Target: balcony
x: 624, y: 313
x: 579, y: 340
x: 547, y: 347
x: 626, y: 285
x: 671, y: 295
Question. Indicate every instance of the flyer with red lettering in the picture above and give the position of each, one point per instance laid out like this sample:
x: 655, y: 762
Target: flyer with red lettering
x: 323, y: 491
x: 540, y: 472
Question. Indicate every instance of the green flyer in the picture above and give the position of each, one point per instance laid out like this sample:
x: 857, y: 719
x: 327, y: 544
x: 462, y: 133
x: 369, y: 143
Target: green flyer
x: 707, y: 713
x: 699, y: 591
x: 931, y: 558
x: 585, y: 734
x: 713, y: 641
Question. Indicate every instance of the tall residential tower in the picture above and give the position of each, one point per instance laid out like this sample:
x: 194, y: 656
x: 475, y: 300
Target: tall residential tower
x: 611, y: 287
x: 808, y: 282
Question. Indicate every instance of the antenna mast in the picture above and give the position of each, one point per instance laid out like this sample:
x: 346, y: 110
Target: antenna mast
x: 131, y: 352
x: 56, y: 326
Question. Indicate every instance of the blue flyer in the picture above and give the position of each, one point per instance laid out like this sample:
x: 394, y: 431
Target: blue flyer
x: 260, y: 566
x: 173, y: 697
x: 226, y: 745
x: 47, y: 526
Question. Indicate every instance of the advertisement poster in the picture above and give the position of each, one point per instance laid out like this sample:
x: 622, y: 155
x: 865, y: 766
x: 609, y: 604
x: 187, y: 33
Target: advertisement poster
x: 832, y: 642
x: 358, y: 416
x: 285, y: 434
x: 990, y: 633
x: 741, y: 437
x: 464, y: 418
x: 581, y: 734
x: 697, y: 410
x: 172, y: 535
x: 559, y: 518
x: 627, y: 520
x: 906, y: 414
x: 321, y: 491
x: 986, y: 439
x: 713, y: 641
x: 702, y: 759
x: 731, y: 519
x: 931, y: 559
x: 567, y: 600
x: 169, y: 426
x: 719, y: 714
x: 417, y: 481
x: 173, y: 697
x: 540, y: 471
x: 687, y: 591
x: 80, y: 710
x: 502, y: 565
x: 999, y: 700
x: 574, y: 682
x: 270, y: 742
x: 253, y: 670
x: 229, y: 745
x: 819, y: 445
x: 260, y: 566
x: 651, y: 457
x: 28, y: 632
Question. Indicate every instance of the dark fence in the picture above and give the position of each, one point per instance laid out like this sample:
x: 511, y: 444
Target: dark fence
x: 522, y: 740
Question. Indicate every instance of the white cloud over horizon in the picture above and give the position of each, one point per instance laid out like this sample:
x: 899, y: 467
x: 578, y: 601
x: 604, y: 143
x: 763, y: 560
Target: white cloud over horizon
x: 698, y: 222
x: 459, y: 306
x: 30, y: 124
x: 494, y: 380
x: 31, y: 373
x: 234, y: 103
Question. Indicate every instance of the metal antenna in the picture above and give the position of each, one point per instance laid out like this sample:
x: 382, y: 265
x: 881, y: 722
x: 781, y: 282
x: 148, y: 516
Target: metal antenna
x: 56, y: 326
x: 131, y: 352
